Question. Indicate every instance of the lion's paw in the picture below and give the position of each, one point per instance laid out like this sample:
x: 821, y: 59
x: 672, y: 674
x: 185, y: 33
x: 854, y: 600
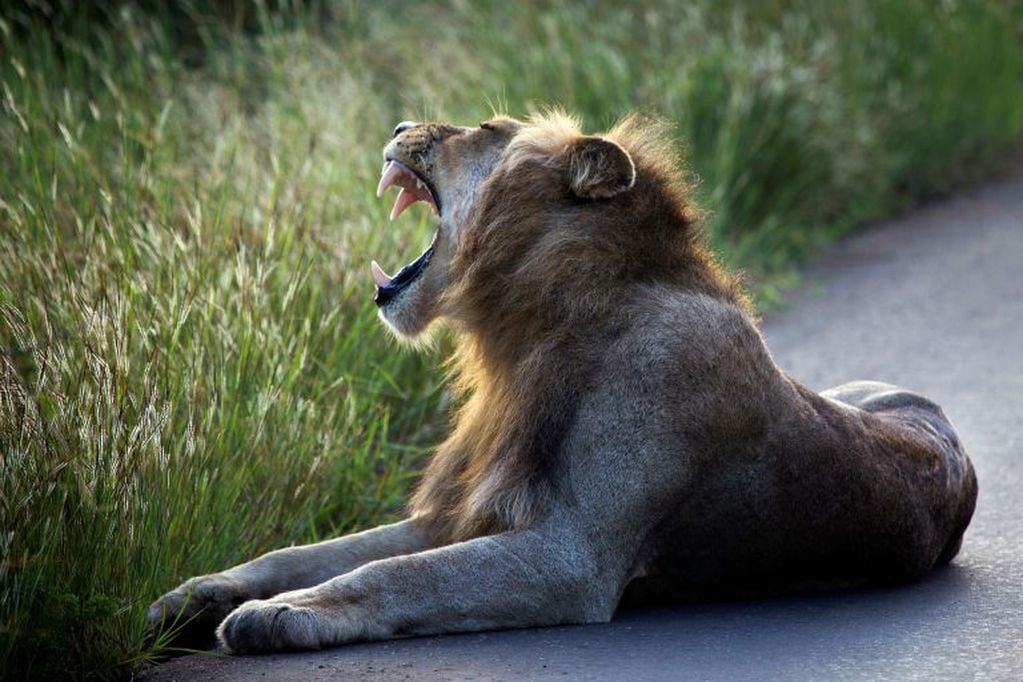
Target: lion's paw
x: 193, y: 609
x: 259, y: 626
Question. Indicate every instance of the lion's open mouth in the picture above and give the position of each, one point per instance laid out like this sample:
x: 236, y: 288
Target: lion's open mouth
x: 413, y: 188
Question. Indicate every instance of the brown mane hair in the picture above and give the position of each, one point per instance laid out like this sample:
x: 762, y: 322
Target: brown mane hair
x: 541, y: 284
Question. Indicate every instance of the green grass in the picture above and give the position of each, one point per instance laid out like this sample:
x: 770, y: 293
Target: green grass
x: 191, y: 371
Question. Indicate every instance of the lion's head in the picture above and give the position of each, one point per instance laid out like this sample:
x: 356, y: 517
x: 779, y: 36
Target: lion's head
x: 476, y: 177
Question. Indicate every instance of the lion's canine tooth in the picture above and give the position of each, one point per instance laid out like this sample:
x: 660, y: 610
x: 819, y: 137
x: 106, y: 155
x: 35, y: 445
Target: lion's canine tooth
x: 390, y: 173
x: 381, y: 278
x: 419, y: 184
x: 404, y: 200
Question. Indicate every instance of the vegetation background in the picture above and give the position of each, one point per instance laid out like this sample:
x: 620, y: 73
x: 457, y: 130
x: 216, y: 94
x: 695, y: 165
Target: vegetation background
x: 191, y: 372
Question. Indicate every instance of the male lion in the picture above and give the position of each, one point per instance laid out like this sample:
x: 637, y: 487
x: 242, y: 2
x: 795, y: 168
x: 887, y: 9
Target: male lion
x: 624, y: 427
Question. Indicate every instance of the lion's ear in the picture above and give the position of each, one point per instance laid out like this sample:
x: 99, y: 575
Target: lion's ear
x: 598, y: 168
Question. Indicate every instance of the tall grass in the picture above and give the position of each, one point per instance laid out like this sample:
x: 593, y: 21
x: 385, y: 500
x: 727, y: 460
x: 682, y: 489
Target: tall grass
x: 190, y: 367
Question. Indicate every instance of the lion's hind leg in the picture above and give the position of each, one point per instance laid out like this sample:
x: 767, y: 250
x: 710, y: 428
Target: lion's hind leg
x: 954, y: 494
x: 876, y: 396
x: 909, y: 409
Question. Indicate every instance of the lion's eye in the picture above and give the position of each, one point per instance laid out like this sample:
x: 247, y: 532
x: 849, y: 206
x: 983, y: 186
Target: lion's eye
x: 486, y: 126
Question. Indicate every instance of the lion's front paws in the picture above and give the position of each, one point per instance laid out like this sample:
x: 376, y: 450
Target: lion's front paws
x: 259, y: 626
x: 192, y: 610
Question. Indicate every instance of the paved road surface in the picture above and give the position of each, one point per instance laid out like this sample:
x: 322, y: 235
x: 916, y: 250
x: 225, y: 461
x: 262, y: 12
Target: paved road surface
x: 933, y: 302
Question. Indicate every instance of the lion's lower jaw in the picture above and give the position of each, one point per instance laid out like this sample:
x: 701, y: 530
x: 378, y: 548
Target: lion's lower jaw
x: 408, y: 317
x: 400, y: 328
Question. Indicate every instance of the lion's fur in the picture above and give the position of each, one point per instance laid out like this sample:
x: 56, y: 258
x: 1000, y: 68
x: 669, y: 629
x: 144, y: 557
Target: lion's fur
x: 537, y: 297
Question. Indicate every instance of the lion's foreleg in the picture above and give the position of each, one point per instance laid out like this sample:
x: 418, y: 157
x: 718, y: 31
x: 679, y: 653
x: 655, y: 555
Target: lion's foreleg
x: 503, y: 581
x: 207, y: 599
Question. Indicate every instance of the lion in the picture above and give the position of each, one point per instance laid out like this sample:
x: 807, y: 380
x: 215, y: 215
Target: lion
x: 623, y: 430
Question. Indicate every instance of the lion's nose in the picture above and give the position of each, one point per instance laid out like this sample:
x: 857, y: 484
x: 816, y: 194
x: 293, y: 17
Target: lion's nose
x: 403, y: 126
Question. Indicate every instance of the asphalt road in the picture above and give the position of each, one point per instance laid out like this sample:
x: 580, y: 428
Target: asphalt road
x: 932, y: 302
